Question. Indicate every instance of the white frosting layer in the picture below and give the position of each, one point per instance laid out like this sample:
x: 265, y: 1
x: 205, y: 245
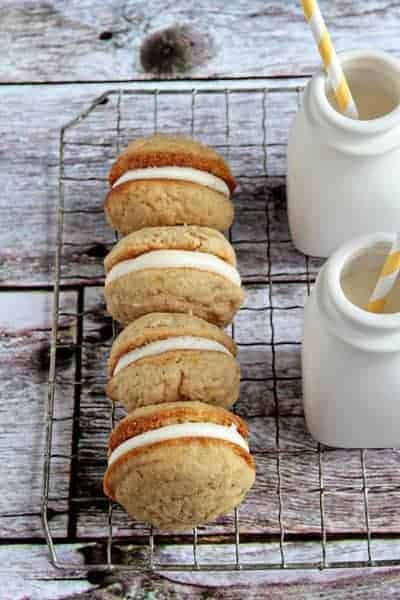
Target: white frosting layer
x: 169, y: 345
x: 181, y: 430
x: 181, y: 173
x: 173, y: 259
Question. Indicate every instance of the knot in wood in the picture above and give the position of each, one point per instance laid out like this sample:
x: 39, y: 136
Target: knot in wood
x: 174, y: 50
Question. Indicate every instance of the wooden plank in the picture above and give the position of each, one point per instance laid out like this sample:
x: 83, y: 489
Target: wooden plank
x: 24, y: 352
x: 60, y: 41
x: 26, y: 572
x: 30, y: 179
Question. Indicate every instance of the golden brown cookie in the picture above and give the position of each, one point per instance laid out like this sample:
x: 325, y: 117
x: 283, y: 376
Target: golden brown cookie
x: 169, y: 180
x: 166, y: 357
x: 180, y: 464
x: 173, y: 269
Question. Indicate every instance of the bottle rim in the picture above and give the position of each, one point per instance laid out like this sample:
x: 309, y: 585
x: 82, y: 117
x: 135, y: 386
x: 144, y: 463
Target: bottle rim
x: 378, y: 61
x: 332, y: 276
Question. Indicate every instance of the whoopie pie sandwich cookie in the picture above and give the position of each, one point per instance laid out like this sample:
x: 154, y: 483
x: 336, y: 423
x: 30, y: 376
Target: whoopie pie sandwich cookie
x: 169, y: 180
x: 167, y: 357
x: 179, y: 465
x: 173, y: 269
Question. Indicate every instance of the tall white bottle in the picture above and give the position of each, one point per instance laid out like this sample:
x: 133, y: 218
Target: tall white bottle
x: 343, y: 174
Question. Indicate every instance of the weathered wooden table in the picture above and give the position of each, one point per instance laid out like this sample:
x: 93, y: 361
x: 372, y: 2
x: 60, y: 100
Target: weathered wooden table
x: 56, y: 57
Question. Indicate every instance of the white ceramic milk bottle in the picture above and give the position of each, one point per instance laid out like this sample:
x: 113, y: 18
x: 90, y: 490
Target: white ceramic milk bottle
x: 351, y: 357
x: 343, y: 174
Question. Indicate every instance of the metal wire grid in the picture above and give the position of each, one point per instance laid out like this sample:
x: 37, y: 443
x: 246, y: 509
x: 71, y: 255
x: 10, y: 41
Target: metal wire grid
x: 151, y: 563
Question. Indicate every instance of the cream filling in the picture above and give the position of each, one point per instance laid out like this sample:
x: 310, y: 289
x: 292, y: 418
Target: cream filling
x: 181, y: 430
x: 181, y: 173
x: 175, y: 259
x: 169, y: 345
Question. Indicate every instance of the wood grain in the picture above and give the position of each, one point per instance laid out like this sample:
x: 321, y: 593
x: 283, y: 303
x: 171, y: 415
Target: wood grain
x: 25, y: 353
x: 93, y: 41
x: 29, y: 574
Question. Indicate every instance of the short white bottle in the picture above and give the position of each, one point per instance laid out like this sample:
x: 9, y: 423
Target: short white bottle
x: 350, y: 357
x: 342, y: 175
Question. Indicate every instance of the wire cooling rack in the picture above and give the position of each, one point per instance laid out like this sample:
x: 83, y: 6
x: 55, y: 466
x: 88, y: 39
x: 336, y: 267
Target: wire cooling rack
x: 311, y: 507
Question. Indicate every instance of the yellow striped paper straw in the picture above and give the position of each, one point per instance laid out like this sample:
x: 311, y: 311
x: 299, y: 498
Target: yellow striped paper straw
x: 387, y: 279
x: 329, y: 57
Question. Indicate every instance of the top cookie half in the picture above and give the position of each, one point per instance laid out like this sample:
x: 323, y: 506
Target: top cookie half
x: 169, y: 180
